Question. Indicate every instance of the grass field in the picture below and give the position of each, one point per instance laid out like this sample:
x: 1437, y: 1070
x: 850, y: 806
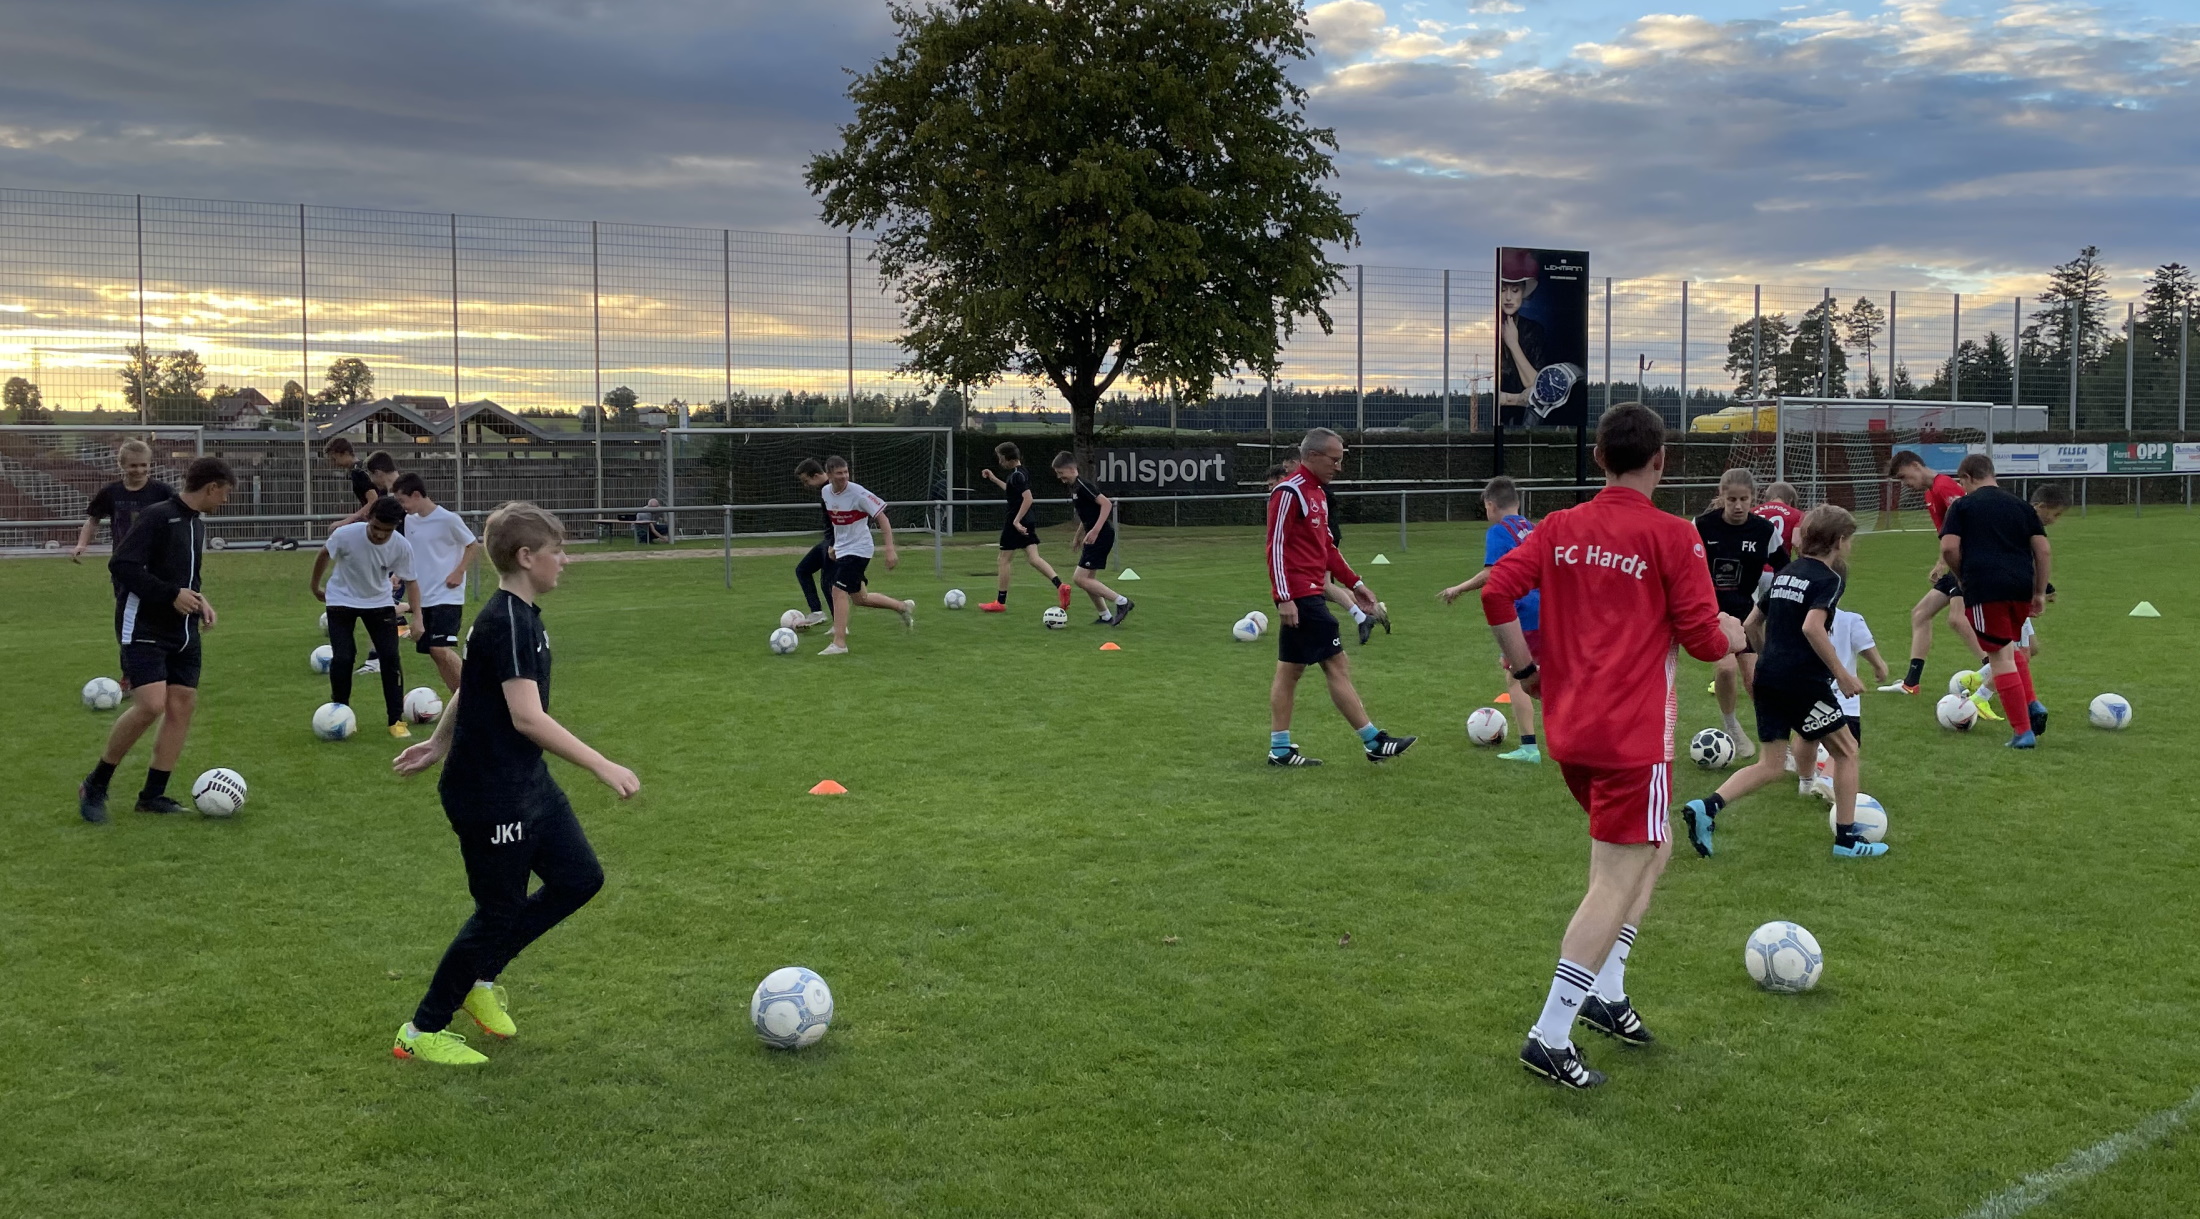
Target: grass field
x: 1086, y: 948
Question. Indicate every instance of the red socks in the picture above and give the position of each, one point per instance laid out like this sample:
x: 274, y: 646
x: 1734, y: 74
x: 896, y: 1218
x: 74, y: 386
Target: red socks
x: 2024, y: 673
x: 2015, y: 703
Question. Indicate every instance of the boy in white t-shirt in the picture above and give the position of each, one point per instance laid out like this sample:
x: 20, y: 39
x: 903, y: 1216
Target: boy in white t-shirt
x: 853, y: 511
x: 365, y: 556
x: 443, y: 550
x: 1851, y: 639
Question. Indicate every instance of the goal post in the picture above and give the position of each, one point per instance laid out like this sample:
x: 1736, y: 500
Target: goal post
x: 752, y: 470
x: 1836, y: 450
x: 49, y: 472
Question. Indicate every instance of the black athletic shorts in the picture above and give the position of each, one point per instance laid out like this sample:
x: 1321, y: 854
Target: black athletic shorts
x: 146, y: 663
x: 1095, y: 555
x: 438, y: 627
x: 848, y: 572
x: 1811, y: 712
x: 1856, y: 726
x: 1013, y: 538
x: 1316, y: 637
x: 1739, y: 605
x: 1948, y: 586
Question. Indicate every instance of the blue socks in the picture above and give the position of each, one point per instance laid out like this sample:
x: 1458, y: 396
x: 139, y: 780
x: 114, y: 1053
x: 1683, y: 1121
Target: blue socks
x: 1369, y: 733
x: 1279, y: 743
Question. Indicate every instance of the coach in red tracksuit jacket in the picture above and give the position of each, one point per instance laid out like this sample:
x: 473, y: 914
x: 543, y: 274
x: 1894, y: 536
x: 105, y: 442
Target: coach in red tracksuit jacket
x: 1301, y: 558
x: 1624, y: 587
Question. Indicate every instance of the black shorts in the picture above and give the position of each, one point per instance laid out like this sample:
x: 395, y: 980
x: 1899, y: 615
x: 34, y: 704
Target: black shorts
x: 146, y: 663
x: 1811, y: 712
x: 1013, y: 538
x: 848, y: 572
x: 1095, y: 555
x: 438, y: 627
x: 1856, y: 726
x: 1948, y: 586
x: 1316, y: 637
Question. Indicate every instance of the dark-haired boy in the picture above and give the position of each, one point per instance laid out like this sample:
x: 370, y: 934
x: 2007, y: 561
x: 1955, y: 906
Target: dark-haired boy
x: 443, y: 550
x: 1094, y: 538
x: 1019, y: 532
x: 1501, y: 507
x: 159, y: 614
x: 818, y: 561
x: 1997, y: 546
x: 366, y: 556
x: 1946, y: 592
x: 853, y: 510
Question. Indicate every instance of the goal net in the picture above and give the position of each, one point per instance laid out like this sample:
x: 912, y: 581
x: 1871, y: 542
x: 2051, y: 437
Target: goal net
x: 50, y: 473
x: 753, y: 469
x: 1836, y: 451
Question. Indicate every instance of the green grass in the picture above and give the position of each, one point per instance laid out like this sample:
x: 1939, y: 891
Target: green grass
x: 1085, y: 947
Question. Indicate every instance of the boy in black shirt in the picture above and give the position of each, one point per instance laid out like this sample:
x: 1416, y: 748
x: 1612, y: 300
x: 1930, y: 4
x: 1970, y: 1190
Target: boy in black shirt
x: 509, y: 814
x: 1095, y: 537
x: 1800, y: 679
x: 810, y: 472
x: 1736, y: 543
x: 120, y: 502
x: 1019, y: 531
x: 159, y: 613
x: 1995, y: 544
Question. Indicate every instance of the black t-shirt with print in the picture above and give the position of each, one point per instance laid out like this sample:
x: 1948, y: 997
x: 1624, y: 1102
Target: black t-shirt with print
x: 491, y: 762
x: 121, y: 506
x: 1802, y: 589
x: 1736, y: 553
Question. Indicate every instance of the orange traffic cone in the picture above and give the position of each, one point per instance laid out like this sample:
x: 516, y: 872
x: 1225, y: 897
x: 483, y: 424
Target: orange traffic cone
x: 828, y: 788
x: 1110, y: 647
x: 1505, y: 698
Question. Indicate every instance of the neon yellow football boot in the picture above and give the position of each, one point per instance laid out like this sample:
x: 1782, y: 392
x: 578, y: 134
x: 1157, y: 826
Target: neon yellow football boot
x: 445, y: 1048
x: 486, y: 1005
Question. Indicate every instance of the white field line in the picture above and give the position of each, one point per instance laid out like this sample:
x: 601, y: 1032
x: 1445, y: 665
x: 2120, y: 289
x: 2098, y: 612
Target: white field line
x: 2040, y: 1186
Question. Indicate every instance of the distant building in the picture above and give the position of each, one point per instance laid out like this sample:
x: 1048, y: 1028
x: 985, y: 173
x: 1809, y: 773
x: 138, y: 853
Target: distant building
x: 246, y: 410
x: 426, y: 419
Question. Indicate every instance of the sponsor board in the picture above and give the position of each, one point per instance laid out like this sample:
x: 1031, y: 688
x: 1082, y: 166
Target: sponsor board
x: 2141, y: 457
x: 2013, y: 460
x: 1162, y: 470
x: 2073, y: 459
x: 2185, y: 458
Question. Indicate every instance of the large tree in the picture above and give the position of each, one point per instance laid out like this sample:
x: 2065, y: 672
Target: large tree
x: 349, y: 382
x: 2082, y: 281
x: 1754, y: 346
x: 2171, y: 298
x: 23, y: 395
x: 1862, y: 326
x: 1083, y: 190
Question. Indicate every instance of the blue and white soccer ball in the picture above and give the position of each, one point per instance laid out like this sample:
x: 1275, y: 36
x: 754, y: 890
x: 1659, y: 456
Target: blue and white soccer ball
x: 102, y: 694
x: 2109, y: 711
x: 1711, y: 749
x: 1259, y: 620
x: 1245, y: 630
x: 1871, y: 818
x: 219, y: 792
x: 322, y: 658
x: 1055, y: 618
x: 783, y: 641
x: 1784, y: 958
x: 792, y: 1008
x: 324, y: 622
x: 955, y: 599
x: 334, y: 722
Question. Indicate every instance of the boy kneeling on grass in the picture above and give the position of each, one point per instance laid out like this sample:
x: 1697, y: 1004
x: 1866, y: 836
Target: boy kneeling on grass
x: 510, y: 816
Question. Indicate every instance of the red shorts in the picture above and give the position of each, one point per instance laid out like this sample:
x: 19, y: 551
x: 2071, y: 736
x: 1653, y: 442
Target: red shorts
x: 2000, y: 623
x: 1625, y: 806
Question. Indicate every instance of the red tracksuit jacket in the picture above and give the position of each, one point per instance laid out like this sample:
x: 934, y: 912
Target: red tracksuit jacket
x: 1300, y: 554
x: 1622, y: 583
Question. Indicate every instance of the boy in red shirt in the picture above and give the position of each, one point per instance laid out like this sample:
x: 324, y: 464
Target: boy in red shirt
x: 1997, y: 545
x: 1940, y: 491
x: 1624, y: 585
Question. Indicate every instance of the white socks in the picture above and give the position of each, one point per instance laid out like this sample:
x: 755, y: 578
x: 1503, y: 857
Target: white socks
x: 1611, y: 983
x: 1358, y: 614
x: 1569, y: 986
x: 1120, y: 599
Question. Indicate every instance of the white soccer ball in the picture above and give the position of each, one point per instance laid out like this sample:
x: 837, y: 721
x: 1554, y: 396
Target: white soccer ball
x: 1871, y: 818
x: 791, y: 1009
x: 1783, y: 957
x: 103, y: 694
x: 1955, y: 713
x: 219, y: 792
x: 324, y: 624
x: 1486, y: 726
x: 783, y: 641
x: 322, y: 658
x: 52, y: 545
x: 334, y: 722
x: 2109, y: 711
x: 1711, y: 749
x: 1822, y: 787
x: 955, y: 599
x: 1260, y: 620
x: 217, y: 543
x: 1055, y: 618
x: 793, y: 619
x: 1245, y: 630
x: 422, y: 704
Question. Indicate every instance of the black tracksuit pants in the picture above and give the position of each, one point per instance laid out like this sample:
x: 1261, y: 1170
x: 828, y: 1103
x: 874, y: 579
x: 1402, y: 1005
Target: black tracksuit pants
x: 812, y: 565
x: 381, y: 624
x: 502, y: 844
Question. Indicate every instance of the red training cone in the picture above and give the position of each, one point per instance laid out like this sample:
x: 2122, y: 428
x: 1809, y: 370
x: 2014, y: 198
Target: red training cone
x: 828, y: 788
x: 1110, y: 647
x: 1506, y: 697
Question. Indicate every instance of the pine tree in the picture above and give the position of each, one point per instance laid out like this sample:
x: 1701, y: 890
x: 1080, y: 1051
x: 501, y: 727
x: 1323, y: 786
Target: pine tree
x: 2085, y: 281
x: 1742, y: 355
x: 1862, y: 326
x: 2172, y: 296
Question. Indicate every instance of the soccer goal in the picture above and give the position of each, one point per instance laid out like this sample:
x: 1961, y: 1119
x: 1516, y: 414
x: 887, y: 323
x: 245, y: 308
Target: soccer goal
x: 49, y: 472
x: 752, y: 469
x: 1836, y: 450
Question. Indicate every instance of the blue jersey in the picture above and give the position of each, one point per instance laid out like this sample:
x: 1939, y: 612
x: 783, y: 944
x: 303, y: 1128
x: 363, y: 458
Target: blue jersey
x: 1503, y: 537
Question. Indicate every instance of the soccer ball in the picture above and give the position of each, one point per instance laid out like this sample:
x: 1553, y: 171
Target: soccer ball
x: 1871, y: 818
x: 1964, y: 682
x: 1783, y: 957
x: 219, y: 792
x: 324, y: 624
x: 102, y: 694
x: 1259, y: 620
x: 1245, y: 630
x: 322, y: 658
x: 1822, y: 787
x: 2109, y: 711
x: 422, y: 705
x: 217, y: 543
x: 52, y: 545
x: 1711, y: 749
x: 1955, y: 713
x: 955, y: 599
x: 1486, y: 726
x: 1055, y: 618
x: 792, y: 1008
x: 793, y: 619
x: 783, y: 641
x: 334, y: 722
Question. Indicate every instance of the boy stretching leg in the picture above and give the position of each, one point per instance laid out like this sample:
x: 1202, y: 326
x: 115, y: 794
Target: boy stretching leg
x: 853, y: 510
x: 1095, y: 537
x: 510, y: 816
x: 1019, y: 532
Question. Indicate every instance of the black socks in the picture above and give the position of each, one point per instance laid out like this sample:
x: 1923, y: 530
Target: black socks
x: 1917, y: 672
x: 100, y: 776
x: 156, y: 784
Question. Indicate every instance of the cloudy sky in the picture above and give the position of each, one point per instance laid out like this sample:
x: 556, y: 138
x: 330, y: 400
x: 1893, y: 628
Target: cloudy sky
x: 1950, y: 143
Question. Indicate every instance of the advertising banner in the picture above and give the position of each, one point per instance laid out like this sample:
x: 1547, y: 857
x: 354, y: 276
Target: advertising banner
x: 1542, y: 337
x: 2013, y: 460
x: 2074, y: 459
x: 1162, y: 471
x: 2185, y: 458
x: 2139, y: 458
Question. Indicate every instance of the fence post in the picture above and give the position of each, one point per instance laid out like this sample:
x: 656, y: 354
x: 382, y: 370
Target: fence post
x: 850, y: 264
x: 595, y: 323
x: 1359, y: 347
x: 2131, y: 341
x: 458, y: 424
x: 672, y: 498
x: 305, y: 379
x: 1607, y: 351
x: 1447, y: 355
x: 1955, y: 352
x: 2077, y: 336
x: 1756, y: 343
x: 2016, y: 362
x: 2184, y: 340
x: 1401, y: 520
x: 726, y: 532
x: 725, y: 256
x: 1894, y: 299
x: 1684, y: 357
x: 1825, y: 344
x: 144, y: 357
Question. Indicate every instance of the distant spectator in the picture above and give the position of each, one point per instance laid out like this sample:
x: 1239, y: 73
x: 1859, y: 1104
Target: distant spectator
x: 647, y: 528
